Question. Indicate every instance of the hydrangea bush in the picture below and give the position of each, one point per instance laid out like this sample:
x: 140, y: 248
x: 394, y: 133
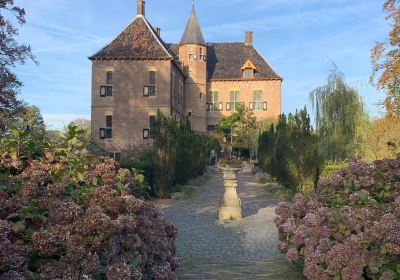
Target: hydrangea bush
x: 350, y: 228
x: 70, y: 216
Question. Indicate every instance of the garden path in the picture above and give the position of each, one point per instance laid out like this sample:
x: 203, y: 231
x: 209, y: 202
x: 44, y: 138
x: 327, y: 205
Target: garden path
x: 245, y: 249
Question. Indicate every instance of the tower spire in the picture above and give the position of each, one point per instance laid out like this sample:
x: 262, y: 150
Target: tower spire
x: 193, y: 34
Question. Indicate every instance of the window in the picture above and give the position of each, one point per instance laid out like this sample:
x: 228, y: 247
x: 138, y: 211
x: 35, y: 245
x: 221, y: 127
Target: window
x: 201, y: 95
x: 213, y: 104
x: 149, y: 133
x: 107, y: 90
x: 109, y: 78
x: 115, y: 156
x: 248, y: 73
x: 234, y: 97
x: 173, y: 87
x: 211, y: 127
x: 102, y: 133
x: 109, y: 125
x: 109, y: 121
x: 180, y: 92
x: 146, y: 133
x: 150, y: 89
x: 146, y: 91
x: 192, y: 56
x: 152, y: 84
x: 106, y: 133
x: 103, y: 91
x: 152, y: 122
x: 202, y: 56
x: 257, y: 103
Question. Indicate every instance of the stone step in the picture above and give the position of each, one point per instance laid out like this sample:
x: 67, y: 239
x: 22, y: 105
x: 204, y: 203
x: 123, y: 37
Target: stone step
x: 232, y: 269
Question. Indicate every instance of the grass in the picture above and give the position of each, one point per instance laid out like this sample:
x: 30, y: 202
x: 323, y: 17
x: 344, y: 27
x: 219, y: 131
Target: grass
x: 278, y: 191
x: 180, y: 192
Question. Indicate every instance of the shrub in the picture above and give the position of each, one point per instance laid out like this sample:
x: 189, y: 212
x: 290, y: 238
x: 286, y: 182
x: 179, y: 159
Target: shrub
x: 72, y: 215
x: 179, y: 154
x: 143, y: 165
x: 350, y: 228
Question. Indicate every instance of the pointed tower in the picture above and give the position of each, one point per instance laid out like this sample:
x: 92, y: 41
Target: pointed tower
x: 193, y: 55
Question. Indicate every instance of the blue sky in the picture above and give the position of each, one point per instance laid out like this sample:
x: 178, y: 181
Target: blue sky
x: 299, y: 38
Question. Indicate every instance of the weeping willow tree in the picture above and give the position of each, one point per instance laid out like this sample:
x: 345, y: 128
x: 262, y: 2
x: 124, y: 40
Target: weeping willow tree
x: 339, y: 118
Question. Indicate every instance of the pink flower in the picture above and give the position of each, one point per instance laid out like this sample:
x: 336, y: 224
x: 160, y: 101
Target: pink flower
x: 387, y: 275
x: 292, y: 255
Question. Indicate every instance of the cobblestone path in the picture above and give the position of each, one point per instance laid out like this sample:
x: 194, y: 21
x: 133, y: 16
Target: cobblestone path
x: 245, y: 249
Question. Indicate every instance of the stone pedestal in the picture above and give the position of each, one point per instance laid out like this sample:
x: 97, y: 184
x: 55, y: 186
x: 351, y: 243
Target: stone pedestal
x: 231, y: 206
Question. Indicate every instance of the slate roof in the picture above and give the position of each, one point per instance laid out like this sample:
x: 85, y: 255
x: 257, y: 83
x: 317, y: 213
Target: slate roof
x: 225, y: 60
x: 192, y: 34
x: 137, y: 41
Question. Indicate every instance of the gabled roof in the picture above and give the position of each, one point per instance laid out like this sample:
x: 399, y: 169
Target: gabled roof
x: 225, y: 61
x: 192, y: 34
x: 137, y: 41
x: 248, y: 65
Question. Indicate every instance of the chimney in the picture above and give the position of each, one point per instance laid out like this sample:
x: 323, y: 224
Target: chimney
x: 248, y: 38
x: 158, y: 31
x: 140, y: 7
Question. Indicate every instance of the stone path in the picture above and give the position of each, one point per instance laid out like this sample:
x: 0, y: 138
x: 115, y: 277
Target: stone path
x: 244, y: 249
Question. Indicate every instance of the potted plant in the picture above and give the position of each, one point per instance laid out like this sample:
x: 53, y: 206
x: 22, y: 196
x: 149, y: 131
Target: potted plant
x: 233, y: 162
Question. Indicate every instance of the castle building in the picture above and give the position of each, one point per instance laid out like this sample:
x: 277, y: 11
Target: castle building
x: 138, y: 74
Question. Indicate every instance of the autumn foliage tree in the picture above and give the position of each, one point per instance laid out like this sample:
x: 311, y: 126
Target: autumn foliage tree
x: 385, y: 58
x: 11, y: 53
x: 384, y: 140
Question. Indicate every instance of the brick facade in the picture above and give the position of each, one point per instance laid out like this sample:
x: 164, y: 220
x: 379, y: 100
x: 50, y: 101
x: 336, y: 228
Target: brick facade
x: 184, y: 80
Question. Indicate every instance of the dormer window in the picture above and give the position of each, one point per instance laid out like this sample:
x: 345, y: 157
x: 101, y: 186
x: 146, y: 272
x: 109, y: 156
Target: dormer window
x: 248, y: 73
x: 248, y: 70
